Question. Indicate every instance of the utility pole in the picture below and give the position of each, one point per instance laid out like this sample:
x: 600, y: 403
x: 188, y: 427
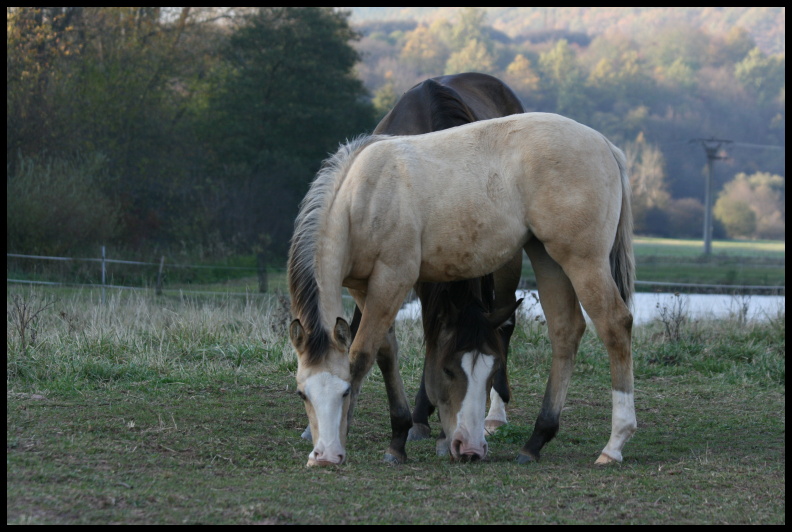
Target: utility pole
x: 711, y: 147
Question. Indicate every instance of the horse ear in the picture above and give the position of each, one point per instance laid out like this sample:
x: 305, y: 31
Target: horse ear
x: 501, y: 315
x: 297, y: 335
x: 342, y: 332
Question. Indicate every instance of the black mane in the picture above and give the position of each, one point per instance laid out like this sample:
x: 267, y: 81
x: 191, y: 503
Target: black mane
x: 446, y: 107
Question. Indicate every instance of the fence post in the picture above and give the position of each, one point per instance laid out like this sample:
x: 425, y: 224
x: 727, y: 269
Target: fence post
x: 159, y: 276
x: 104, y: 274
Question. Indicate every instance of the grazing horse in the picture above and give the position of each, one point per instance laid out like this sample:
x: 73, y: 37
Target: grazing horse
x: 465, y: 350
x: 387, y: 212
x: 433, y: 105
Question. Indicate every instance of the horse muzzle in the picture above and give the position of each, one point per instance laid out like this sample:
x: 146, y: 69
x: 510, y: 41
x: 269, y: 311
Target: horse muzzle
x: 329, y: 457
x: 466, y: 451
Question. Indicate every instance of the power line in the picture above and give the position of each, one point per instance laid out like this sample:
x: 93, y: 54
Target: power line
x: 759, y: 146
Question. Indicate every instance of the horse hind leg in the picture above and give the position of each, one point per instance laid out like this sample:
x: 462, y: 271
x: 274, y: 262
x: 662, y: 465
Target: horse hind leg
x: 565, y: 325
x: 613, y: 321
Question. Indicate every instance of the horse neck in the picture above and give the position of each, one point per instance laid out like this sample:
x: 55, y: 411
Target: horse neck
x: 332, y: 266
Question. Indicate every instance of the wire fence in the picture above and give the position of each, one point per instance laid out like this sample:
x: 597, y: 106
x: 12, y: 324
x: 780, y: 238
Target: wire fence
x: 263, y: 289
x: 104, y: 261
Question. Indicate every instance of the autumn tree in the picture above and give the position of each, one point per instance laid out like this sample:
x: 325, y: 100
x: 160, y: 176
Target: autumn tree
x: 564, y: 80
x: 521, y: 75
x: 753, y: 206
x: 425, y: 50
x: 763, y: 75
x: 650, y: 197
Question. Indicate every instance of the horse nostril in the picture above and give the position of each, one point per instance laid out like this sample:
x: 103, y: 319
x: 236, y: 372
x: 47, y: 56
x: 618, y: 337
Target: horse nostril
x: 456, y: 448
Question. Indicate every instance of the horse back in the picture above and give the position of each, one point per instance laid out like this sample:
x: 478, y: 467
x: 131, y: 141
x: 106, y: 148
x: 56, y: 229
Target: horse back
x: 449, y: 101
x: 486, y: 96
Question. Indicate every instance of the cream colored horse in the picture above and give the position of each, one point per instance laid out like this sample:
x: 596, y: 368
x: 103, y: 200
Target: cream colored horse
x: 387, y: 212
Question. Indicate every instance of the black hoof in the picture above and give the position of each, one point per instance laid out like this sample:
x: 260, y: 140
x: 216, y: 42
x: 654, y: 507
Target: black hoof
x: 419, y: 431
x: 392, y: 459
x: 523, y: 458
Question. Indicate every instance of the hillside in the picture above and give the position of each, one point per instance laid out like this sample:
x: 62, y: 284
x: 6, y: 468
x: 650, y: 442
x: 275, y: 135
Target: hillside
x: 767, y: 25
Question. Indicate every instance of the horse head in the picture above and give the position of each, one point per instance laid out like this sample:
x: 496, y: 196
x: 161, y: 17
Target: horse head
x: 460, y: 365
x: 324, y: 389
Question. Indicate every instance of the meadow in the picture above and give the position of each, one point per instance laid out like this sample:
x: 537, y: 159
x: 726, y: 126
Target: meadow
x: 181, y: 410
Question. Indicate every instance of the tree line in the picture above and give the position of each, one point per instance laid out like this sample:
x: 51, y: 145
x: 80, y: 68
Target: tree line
x: 198, y: 130
x: 195, y: 130
x: 654, y: 94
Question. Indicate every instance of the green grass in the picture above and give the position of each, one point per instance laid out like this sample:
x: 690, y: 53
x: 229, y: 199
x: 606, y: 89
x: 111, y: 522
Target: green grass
x: 181, y: 410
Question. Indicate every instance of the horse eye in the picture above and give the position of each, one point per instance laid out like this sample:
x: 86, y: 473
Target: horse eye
x: 448, y: 373
x: 301, y: 395
x: 347, y: 392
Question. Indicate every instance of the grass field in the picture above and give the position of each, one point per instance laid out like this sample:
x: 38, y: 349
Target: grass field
x: 181, y: 410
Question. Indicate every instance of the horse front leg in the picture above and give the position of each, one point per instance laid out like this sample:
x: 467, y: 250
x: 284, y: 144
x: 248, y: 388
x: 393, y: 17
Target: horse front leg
x: 500, y: 394
x: 376, y: 335
x: 401, y: 420
x: 507, y: 280
x: 420, y: 416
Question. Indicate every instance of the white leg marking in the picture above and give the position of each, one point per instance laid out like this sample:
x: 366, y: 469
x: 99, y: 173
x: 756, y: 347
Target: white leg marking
x: 623, y: 425
x: 497, y: 411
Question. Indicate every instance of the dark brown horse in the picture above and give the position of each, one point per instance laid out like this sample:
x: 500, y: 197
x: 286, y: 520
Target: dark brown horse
x: 433, y: 105
x: 466, y: 347
x: 449, y: 309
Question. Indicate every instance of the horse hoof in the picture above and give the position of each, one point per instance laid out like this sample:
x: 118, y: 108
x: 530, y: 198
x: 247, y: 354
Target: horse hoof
x: 442, y: 448
x: 419, y: 431
x: 306, y: 435
x: 604, y: 459
x: 392, y: 459
x: 492, y: 425
x: 523, y: 458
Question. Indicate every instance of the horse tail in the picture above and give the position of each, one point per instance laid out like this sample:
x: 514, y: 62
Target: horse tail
x: 622, y: 260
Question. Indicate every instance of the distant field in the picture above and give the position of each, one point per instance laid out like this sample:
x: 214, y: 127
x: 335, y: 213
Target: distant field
x: 646, y: 246
x: 732, y: 264
x: 660, y: 260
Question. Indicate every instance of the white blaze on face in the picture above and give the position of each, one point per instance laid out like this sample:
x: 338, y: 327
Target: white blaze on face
x: 326, y: 392
x: 470, y: 419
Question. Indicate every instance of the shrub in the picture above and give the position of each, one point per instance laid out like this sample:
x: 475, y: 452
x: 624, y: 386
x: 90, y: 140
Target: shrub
x: 57, y: 207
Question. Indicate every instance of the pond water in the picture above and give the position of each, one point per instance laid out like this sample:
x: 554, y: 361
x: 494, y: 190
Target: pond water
x: 650, y: 306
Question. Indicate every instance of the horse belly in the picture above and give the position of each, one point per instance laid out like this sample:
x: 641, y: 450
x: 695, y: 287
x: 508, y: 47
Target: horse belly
x: 471, y: 249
